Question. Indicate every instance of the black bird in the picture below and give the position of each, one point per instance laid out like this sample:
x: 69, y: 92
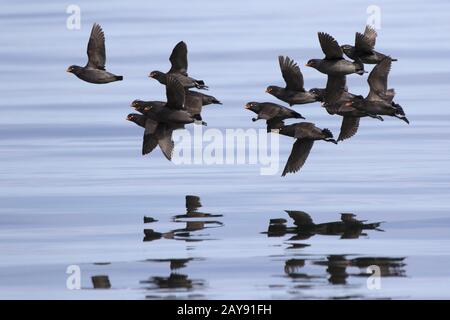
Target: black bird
x: 294, y: 92
x: 179, y: 62
x: 335, y: 101
x: 140, y: 105
x: 173, y: 110
x: 155, y: 134
x: 94, y: 71
x: 194, y: 101
x: 305, y: 133
x: 273, y: 113
x: 334, y: 62
x: 364, y: 47
x: 379, y: 101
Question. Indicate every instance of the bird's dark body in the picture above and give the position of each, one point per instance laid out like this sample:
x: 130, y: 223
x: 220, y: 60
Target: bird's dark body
x: 338, y: 67
x: 94, y: 71
x: 92, y: 75
x: 373, y: 57
x: 293, y: 97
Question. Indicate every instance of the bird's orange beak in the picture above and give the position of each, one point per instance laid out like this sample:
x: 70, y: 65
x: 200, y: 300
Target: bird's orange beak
x: 248, y: 106
x: 348, y: 104
x: 307, y: 65
x: 268, y: 90
x: 69, y: 70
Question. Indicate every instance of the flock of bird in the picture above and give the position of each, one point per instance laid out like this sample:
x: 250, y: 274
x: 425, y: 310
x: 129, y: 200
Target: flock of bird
x: 335, y: 97
x: 184, y: 105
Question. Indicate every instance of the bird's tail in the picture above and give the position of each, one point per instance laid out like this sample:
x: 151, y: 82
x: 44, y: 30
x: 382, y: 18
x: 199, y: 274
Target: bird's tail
x: 298, y: 115
x: 327, y: 133
x: 394, y: 59
x: 215, y: 101
x: 399, y: 110
x: 119, y: 78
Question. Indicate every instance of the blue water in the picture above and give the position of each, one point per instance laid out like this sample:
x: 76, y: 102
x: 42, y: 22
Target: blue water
x: 74, y: 187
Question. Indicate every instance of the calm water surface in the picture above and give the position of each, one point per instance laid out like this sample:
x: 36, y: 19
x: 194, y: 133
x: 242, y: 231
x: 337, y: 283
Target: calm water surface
x: 74, y: 188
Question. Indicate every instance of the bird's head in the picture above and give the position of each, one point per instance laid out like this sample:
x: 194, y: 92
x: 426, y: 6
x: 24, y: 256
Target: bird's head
x: 313, y: 63
x: 318, y: 93
x: 355, y: 102
x: 73, y: 69
x: 136, y: 103
x: 131, y: 117
x: 274, y: 90
x: 156, y: 75
x: 253, y: 106
x: 346, y: 48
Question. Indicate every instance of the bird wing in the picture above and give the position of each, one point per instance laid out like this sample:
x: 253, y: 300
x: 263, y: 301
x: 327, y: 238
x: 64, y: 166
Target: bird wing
x: 192, y: 203
x: 150, y: 140
x: 298, y: 156
x: 300, y: 218
x: 96, y: 48
x: 371, y: 35
x: 390, y: 94
x: 377, y: 80
x: 291, y: 74
x: 336, y: 86
x: 165, y: 141
x: 193, y: 103
x: 362, y: 43
x: 178, y: 59
x: 274, y: 123
x: 330, y: 46
x: 175, y: 93
x: 349, y: 127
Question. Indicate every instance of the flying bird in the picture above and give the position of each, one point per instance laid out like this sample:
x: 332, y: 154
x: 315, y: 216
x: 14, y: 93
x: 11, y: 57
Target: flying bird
x: 155, y: 134
x: 94, y: 71
x: 364, y: 47
x: 294, y: 92
x: 305, y: 134
x: 273, y: 113
x: 379, y: 101
x: 335, y: 101
x: 173, y: 111
x: 334, y: 62
x: 178, y: 69
x: 194, y: 102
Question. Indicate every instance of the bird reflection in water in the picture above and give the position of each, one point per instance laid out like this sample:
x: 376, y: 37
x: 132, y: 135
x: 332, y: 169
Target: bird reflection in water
x: 347, y: 228
x: 175, y: 280
x: 193, y: 224
x: 337, y: 267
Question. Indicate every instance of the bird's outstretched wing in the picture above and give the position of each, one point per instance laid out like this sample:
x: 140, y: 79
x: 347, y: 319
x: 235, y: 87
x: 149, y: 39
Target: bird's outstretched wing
x: 291, y: 74
x: 330, y: 46
x: 300, y: 218
x: 193, y: 103
x: 165, y: 141
x: 178, y: 59
x: 150, y: 140
x: 175, y: 93
x: 336, y: 86
x: 96, y: 48
x: 377, y: 80
x: 349, y: 127
x: 298, y: 156
x: 362, y: 43
x: 371, y: 35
